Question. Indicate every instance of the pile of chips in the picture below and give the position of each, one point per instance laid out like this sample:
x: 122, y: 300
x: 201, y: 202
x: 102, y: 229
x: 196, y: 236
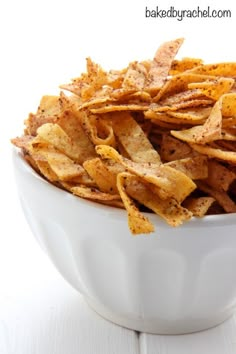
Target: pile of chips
x: 157, y: 136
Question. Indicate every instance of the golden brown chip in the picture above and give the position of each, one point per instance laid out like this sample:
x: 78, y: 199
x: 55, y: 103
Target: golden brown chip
x: 173, y: 149
x: 169, y: 209
x: 133, y: 139
x: 135, y: 77
x: 46, y: 171
x: 93, y: 194
x: 179, y: 66
x: 219, y: 177
x: 213, y: 89
x: 228, y: 122
x: 99, y: 130
x: 227, y: 156
x: 47, y: 112
x: 23, y: 141
x: 219, y: 69
x: 196, y: 114
x: 202, y: 134
x: 138, y: 223
x: 193, y: 167
x: 100, y: 173
x: 201, y: 102
x: 169, y: 181
x: 229, y: 105
x: 161, y: 64
x: 198, y: 206
x: 220, y: 196
x: 120, y: 107
x: 178, y: 83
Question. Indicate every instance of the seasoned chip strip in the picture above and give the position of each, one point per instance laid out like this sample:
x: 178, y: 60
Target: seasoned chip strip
x: 218, y: 69
x: 221, y: 197
x: 182, y: 96
x: 194, y: 167
x: 97, y: 129
x: 168, y: 209
x: 135, y: 76
x: 81, y: 145
x: 179, y: 66
x: 229, y: 105
x: 76, y: 150
x: 213, y: 89
x: 46, y: 171
x: 228, y: 122
x: 104, y: 178
x: 161, y: 64
x: 198, y: 206
x: 219, y: 177
x: 174, y: 149
x: 202, y: 134
x: 178, y: 83
x: 93, y: 194
x: 55, y: 135
x: 170, y: 182
x: 64, y: 167
x: 165, y: 117
x: 47, y: 112
x: 190, y: 114
x: 201, y: 102
x: 133, y: 139
x: 120, y: 107
x: 138, y: 223
x: 227, y: 156
x: 22, y: 141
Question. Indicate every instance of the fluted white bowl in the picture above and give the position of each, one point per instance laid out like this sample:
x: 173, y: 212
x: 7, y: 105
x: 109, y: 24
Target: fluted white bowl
x: 176, y: 280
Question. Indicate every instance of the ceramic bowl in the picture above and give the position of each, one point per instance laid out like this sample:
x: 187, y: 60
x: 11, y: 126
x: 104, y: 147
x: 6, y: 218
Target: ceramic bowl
x: 176, y: 280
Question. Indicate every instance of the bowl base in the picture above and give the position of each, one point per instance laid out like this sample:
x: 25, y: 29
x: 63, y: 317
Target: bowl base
x: 159, y: 326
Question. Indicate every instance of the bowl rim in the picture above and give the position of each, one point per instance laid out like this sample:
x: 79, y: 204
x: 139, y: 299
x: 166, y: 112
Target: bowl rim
x: 217, y: 219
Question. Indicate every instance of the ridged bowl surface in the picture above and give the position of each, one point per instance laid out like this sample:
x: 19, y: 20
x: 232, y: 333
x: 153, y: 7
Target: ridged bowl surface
x: 177, y: 280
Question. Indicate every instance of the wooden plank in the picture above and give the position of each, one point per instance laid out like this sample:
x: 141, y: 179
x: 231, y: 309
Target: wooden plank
x: 217, y: 340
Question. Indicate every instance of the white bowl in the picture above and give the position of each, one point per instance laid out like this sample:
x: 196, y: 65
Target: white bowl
x: 176, y: 280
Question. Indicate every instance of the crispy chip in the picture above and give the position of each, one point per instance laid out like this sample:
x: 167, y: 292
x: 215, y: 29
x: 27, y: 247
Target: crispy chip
x: 222, y: 197
x: 169, y: 209
x: 202, y: 134
x: 158, y: 135
x: 228, y: 156
x: 219, y: 69
x: 199, y: 206
x: 194, y: 167
x: 161, y: 64
x: 133, y: 139
x: 219, y: 177
x: 120, y: 107
x: 173, y: 149
x: 178, y: 83
x: 214, y: 89
x: 138, y: 223
x: 100, y: 173
x: 171, y: 182
x: 94, y: 194
x: 179, y: 66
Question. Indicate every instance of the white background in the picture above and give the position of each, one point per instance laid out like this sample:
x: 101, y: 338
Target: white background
x: 45, y: 43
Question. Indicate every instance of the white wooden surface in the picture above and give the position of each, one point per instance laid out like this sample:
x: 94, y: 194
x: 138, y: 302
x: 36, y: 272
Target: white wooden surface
x: 41, y: 314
